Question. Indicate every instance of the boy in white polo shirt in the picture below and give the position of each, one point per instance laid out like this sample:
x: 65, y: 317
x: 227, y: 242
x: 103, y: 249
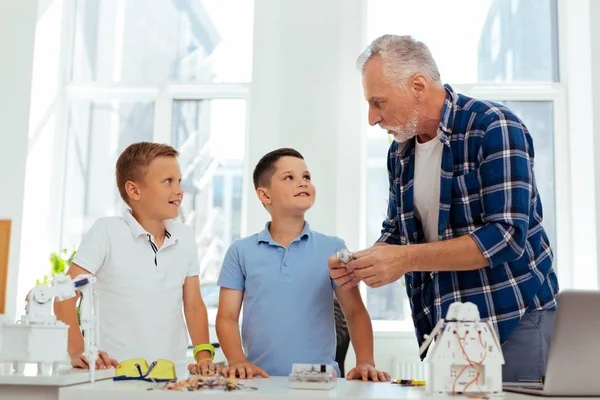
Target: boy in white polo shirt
x: 146, y: 266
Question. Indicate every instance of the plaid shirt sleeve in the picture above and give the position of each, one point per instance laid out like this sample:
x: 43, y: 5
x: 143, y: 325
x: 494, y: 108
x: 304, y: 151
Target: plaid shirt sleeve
x: 389, y: 231
x: 506, y: 182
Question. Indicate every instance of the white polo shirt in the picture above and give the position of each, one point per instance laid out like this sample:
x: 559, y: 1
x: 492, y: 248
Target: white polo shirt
x: 140, y: 287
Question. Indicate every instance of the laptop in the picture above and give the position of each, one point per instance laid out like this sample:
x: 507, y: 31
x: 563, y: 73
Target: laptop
x: 574, y: 357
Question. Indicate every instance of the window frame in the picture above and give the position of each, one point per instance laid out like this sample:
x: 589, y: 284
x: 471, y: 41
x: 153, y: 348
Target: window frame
x: 162, y: 95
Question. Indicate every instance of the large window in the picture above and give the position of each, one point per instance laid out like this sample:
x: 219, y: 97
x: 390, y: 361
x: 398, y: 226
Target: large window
x: 211, y: 135
x: 500, y: 50
x: 174, y: 72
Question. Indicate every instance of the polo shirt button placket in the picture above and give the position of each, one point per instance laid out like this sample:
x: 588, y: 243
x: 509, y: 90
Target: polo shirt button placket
x: 154, y: 249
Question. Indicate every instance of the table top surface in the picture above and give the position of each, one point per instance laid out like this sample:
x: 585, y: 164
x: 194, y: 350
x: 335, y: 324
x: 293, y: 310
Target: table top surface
x: 65, y: 376
x: 270, y: 388
x: 73, y: 384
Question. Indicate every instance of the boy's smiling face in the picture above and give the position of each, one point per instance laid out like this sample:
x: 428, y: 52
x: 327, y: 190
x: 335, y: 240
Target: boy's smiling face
x: 160, y: 193
x: 291, y: 191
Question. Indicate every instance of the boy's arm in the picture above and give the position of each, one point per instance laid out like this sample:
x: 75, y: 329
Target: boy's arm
x: 195, y: 313
x: 228, y: 331
x: 361, y: 335
x: 66, y: 311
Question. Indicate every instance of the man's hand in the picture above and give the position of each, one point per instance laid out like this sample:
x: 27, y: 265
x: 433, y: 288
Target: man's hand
x: 378, y: 266
x: 103, y: 362
x: 365, y: 372
x: 244, y: 369
x: 205, y: 366
x: 338, y: 272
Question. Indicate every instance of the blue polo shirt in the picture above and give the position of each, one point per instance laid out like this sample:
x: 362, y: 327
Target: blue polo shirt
x: 288, y: 298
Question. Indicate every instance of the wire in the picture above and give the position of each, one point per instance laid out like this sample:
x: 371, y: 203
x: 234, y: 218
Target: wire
x: 475, y: 365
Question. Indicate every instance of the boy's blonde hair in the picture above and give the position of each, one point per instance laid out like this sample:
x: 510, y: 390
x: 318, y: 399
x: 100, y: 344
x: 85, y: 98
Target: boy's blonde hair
x: 134, y: 161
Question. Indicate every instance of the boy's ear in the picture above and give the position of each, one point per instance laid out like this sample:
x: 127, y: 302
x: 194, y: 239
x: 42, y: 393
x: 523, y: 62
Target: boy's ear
x: 263, y: 196
x: 133, y: 190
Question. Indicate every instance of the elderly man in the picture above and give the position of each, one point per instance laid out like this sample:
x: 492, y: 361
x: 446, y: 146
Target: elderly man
x: 464, y: 215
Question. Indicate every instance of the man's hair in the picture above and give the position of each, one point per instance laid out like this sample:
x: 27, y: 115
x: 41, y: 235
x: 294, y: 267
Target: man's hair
x: 264, y: 170
x: 134, y: 161
x: 401, y: 58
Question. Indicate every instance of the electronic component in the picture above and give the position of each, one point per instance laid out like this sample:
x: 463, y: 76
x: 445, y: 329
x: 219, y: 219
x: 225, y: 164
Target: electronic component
x: 313, y: 376
x: 345, y: 255
x: 40, y: 338
x: 466, y: 357
x: 408, y: 382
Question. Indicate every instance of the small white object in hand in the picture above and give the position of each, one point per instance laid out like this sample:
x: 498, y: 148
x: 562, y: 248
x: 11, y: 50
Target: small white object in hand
x: 345, y: 255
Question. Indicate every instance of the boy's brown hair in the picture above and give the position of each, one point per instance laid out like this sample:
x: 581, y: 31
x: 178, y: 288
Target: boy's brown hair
x: 264, y: 170
x: 134, y: 161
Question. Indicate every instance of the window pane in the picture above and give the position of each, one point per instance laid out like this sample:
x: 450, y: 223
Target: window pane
x: 98, y: 132
x: 387, y: 302
x: 210, y: 134
x: 539, y: 118
x: 477, y: 40
x: 377, y: 192
x: 156, y: 41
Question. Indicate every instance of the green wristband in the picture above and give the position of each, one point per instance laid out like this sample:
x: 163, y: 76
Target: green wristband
x: 202, y: 347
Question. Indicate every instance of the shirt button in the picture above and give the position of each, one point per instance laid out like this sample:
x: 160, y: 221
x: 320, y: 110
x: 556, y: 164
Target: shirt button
x: 280, y: 250
x: 285, y: 264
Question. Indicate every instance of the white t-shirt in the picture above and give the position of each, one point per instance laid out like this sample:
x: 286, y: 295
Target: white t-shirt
x: 140, y: 291
x: 428, y: 164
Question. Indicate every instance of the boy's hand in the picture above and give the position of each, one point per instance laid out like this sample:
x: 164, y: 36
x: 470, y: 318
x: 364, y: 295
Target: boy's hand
x: 244, y: 370
x: 102, y: 362
x: 338, y: 272
x: 204, y: 367
x: 365, y: 372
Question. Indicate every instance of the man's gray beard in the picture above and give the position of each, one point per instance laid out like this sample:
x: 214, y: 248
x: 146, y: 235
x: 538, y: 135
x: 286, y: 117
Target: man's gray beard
x: 404, y: 133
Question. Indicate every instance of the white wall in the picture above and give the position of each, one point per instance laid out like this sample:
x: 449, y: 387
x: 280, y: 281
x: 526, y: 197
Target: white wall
x: 41, y: 221
x: 576, y: 71
x: 17, y: 28
x: 306, y: 94
x: 594, y: 17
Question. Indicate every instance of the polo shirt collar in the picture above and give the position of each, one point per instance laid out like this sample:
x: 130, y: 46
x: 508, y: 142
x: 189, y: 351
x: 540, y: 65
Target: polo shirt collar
x: 138, y: 230
x: 265, y: 235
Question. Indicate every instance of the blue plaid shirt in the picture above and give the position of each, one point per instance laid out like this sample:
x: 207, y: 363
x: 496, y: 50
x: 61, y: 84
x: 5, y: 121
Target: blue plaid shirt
x: 488, y: 191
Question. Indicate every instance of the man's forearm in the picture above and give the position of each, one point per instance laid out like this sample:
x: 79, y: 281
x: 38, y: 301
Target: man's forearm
x: 460, y: 254
x: 228, y: 330
x: 382, y: 244
x: 361, y: 336
x: 66, y: 311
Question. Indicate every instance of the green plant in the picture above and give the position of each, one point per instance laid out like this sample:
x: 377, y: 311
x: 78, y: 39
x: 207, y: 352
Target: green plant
x: 59, y: 263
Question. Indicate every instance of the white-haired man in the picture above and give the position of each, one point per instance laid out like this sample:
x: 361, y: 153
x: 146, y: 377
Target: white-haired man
x: 463, y: 196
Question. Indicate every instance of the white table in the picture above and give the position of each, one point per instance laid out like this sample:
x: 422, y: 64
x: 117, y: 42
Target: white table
x: 31, y: 386
x: 273, y: 388
x: 71, y: 384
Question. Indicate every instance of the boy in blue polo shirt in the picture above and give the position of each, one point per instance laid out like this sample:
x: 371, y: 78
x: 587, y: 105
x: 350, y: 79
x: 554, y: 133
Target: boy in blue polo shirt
x: 281, y: 275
